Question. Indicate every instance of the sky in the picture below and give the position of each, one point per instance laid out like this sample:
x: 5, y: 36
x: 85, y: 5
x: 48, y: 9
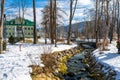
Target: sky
x: 81, y: 13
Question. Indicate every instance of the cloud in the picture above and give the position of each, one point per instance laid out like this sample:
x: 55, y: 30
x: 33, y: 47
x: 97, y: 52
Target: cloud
x: 81, y: 11
x: 29, y: 15
x: 64, y: 5
x: 85, y: 2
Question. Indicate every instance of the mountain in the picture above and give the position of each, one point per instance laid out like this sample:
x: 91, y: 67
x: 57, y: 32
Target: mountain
x: 75, y: 26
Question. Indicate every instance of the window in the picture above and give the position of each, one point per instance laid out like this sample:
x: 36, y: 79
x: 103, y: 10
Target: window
x: 9, y: 33
x: 31, y: 28
x: 25, y: 28
x: 28, y: 28
x: 9, y: 28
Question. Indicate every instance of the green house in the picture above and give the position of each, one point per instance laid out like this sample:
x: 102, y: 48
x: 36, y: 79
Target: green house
x: 17, y: 27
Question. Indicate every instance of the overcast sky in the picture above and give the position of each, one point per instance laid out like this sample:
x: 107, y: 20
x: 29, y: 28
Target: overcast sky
x: 80, y: 15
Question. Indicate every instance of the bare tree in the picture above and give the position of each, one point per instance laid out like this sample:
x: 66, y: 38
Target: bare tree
x: 45, y: 21
x: 22, y: 20
x: 1, y: 26
x: 72, y: 11
x: 51, y: 22
x: 19, y: 6
x: 118, y: 20
x: 96, y: 16
x: 51, y: 19
x: 55, y: 14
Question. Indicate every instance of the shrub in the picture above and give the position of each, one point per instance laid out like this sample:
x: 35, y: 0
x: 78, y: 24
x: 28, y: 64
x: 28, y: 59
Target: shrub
x: 36, y: 69
x: 4, y: 45
x: 11, y: 40
x: 50, y: 62
x: 47, y: 49
x: 118, y: 45
x: 62, y: 68
x: 17, y: 39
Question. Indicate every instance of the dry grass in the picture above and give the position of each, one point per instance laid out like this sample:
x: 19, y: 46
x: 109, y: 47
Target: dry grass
x: 36, y: 69
x: 61, y: 40
x: 43, y: 76
x: 50, y: 62
x: 103, y: 45
x: 28, y: 41
x: 47, y: 49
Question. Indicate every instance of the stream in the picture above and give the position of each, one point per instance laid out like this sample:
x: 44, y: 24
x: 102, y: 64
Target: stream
x: 76, y: 68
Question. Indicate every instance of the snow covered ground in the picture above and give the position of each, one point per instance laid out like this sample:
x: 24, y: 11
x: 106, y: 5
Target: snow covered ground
x: 110, y: 58
x: 14, y: 63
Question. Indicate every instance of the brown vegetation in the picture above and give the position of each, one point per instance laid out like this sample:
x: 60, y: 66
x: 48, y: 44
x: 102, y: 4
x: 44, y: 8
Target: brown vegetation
x: 54, y: 65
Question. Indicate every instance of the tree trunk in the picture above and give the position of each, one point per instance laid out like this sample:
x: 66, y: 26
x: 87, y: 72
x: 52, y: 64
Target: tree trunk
x: 70, y: 19
x: 96, y: 12
x: 23, y: 9
x: 55, y: 10
x: 108, y: 25
x: 34, y: 14
x: 118, y: 22
x: 1, y: 26
x: 70, y: 23
x: 46, y: 33
x: 51, y: 22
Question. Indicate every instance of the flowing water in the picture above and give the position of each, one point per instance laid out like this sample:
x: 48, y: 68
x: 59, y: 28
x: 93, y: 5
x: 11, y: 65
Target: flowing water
x: 76, y: 68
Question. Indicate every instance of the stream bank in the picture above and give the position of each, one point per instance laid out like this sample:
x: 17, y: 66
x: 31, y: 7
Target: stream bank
x: 84, y: 66
x: 72, y: 64
x: 54, y: 65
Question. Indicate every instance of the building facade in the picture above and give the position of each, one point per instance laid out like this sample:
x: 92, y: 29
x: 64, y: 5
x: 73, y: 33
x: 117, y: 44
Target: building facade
x: 15, y: 28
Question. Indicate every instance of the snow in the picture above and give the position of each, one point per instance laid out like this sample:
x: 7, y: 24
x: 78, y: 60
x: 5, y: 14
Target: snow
x: 42, y: 40
x: 14, y: 63
x: 85, y: 40
x: 110, y: 58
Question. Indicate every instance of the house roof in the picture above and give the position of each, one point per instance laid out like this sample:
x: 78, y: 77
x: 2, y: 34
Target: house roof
x: 18, y: 21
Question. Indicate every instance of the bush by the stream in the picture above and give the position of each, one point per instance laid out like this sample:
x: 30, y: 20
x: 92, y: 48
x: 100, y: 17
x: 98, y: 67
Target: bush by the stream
x: 62, y: 68
x: 118, y: 45
x: 55, y: 63
x: 49, y: 61
x: 96, y: 68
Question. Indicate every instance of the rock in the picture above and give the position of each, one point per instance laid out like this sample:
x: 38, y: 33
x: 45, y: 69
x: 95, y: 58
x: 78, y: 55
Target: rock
x: 75, y: 61
x: 71, y: 74
x: 112, y: 72
x: 82, y: 79
x: 80, y: 59
x: 83, y: 69
x: 68, y: 60
x: 5, y: 75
